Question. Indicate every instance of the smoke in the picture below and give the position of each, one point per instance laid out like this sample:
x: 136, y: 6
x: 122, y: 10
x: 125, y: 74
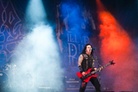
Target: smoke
x: 117, y: 45
x: 36, y: 63
x: 35, y: 15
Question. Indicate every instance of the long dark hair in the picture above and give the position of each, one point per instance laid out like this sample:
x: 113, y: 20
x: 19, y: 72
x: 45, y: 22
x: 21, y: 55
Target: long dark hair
x: 84, y: 49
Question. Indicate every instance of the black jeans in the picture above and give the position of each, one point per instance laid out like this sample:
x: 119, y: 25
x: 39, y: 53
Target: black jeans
x: 95, y: 83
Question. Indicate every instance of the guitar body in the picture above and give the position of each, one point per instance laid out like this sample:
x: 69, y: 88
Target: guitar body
x: 79, y: 74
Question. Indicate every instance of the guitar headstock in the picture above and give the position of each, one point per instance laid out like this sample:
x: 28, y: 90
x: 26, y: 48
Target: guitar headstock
x: 111, y: 62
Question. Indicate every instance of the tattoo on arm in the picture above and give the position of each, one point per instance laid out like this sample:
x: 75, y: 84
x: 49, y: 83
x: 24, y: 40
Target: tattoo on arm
x: 80, y: 60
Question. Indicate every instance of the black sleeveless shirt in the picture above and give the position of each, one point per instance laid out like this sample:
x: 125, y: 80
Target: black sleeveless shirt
x: 88, y: 62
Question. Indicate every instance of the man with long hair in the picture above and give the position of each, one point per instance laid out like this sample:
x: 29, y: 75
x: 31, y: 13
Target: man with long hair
x: 85, y: 62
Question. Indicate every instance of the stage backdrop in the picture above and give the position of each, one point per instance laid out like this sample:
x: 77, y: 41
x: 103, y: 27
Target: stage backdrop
x: 11, y: 31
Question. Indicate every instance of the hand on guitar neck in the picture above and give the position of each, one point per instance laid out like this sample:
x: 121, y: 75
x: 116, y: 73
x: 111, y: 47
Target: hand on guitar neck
x: 99, y: 69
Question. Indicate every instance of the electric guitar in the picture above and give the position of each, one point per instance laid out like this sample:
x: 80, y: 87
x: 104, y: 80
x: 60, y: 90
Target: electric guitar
x: 91, y: 73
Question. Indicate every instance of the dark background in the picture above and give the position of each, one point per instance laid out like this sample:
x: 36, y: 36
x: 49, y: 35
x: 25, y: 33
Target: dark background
x: 125, y: 11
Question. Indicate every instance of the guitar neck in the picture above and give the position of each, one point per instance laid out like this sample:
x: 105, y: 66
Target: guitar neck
x: 106, y: 65
x: 100, y: 68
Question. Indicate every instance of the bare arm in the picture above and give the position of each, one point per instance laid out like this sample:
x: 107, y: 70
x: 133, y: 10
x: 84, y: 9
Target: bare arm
x: 80, y: 60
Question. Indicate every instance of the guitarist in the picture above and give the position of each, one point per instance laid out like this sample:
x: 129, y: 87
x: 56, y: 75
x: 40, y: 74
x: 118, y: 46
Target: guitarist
x: 85, y: 62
